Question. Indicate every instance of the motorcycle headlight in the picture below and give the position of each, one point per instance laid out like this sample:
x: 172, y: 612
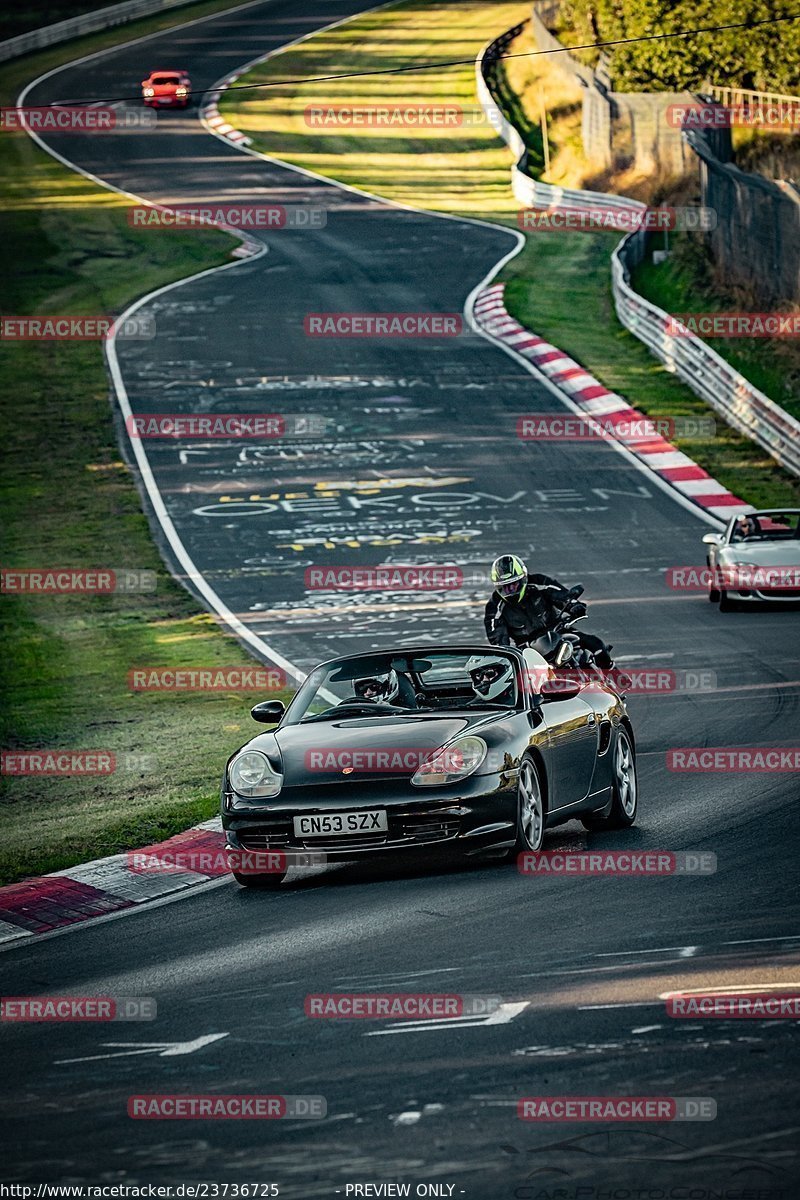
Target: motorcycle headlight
x: 252, y: 775
x: 450, y: 763
x: 564, y: 653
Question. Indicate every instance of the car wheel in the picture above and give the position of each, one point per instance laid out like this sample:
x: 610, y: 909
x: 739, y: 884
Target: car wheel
x: 625, y: 789
x: 267, y: 882
x: 713, y: 593
x: 530, y: 809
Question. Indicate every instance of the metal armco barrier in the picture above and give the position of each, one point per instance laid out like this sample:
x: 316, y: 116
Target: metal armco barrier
x: 741, y: 405
x: 91, y: 22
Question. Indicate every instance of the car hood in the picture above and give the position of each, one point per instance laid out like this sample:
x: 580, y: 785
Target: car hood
x: 764, y: 554
x: 376, y: 748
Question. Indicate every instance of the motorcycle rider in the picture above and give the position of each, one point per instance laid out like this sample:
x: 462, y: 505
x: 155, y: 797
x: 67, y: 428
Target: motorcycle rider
x: 525, y: 605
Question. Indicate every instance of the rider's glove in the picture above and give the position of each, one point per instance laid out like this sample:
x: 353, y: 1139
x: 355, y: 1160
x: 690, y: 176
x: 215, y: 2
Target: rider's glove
x: 579, y: 610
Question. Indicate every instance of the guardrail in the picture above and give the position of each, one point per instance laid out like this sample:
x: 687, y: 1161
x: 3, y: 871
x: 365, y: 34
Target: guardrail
x: 741, y: 404
x: 91, y: 22
x: 526, y: 189
x: 736, y: 97
x: 736, y: 400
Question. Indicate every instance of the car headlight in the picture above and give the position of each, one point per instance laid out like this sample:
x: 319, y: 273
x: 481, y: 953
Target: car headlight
x: 181, y: 91
x: 251, y: 774
x: 148, y: 91
x: 450, y: 763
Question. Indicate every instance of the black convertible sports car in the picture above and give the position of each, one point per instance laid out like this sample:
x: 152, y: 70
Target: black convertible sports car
x: 470, y: 749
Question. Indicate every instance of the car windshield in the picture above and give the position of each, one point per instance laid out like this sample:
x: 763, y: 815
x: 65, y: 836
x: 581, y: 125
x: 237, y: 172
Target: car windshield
x: 391, y: 684
x: 166, y: 79
x: 766, y: 527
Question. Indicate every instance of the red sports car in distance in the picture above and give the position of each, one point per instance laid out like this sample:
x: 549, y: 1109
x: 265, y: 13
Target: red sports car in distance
x: 167, y: 88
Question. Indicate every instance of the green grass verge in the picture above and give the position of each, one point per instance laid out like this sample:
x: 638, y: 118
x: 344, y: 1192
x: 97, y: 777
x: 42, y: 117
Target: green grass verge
x: 466, y: 171
x: 683, y: 284
x: 68, y: 500
x: 459, y: 168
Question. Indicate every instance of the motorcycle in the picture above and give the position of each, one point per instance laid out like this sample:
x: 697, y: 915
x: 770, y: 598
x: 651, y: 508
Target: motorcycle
x: 561, y: 647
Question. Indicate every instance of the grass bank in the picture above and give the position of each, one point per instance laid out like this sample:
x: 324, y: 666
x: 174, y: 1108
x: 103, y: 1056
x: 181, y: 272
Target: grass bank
x: 465, y: 170
x: 69, y: 501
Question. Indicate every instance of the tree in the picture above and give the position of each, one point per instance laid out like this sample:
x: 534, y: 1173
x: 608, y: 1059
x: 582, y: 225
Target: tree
x: 765, y: 58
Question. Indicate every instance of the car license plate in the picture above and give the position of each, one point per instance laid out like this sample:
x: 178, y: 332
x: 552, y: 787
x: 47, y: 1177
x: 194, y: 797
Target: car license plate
x: 341, y: 824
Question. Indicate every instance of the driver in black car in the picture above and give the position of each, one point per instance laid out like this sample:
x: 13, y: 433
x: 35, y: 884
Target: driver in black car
x: 524, y: 606
x: 389, y: 687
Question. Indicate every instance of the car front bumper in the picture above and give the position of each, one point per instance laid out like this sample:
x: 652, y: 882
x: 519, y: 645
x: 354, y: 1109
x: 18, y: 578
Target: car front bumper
x: 764, y: 596
x: 481, y: 815
x: 166, y: 101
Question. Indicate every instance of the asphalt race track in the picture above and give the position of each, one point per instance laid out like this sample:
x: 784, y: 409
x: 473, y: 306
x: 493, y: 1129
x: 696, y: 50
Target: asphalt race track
x: 420, y: 451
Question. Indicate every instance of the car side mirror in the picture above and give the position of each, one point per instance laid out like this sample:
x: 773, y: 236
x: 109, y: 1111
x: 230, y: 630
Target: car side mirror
x: 712, y: 539
x: 268, y: 711
x: 559, y: 689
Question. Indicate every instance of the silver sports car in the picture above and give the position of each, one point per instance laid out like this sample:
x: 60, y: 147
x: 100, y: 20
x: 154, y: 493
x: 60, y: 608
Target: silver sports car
x: 756, y: 558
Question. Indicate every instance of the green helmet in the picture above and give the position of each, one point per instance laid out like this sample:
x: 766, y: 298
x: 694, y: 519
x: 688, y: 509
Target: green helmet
x: 509, y: 576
